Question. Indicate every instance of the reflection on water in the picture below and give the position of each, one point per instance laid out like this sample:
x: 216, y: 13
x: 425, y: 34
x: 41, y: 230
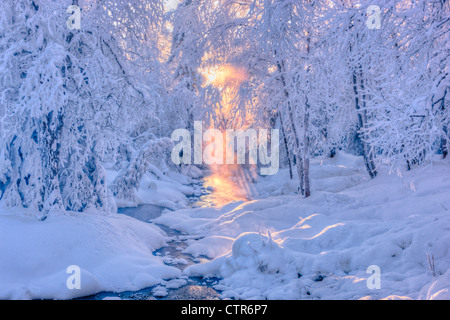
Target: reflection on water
x: 192, y: 288
x: 224, y: 190
x: 227, y: 183
x: 144, y: 212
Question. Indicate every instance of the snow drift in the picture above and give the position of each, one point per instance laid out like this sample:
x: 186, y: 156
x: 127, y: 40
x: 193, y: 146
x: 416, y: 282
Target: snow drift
x: 286, y: 247
x: 114, y: 253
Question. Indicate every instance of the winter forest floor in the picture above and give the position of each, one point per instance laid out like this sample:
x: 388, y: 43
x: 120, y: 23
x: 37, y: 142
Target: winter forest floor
x: 116, y: 117
x: 182, y: 242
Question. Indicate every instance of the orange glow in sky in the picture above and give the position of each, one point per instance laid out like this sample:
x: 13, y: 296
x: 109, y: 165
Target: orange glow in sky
x: 226, y: 75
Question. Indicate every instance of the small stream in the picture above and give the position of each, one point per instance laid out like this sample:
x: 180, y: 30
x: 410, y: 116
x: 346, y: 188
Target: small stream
x: 183, y: 288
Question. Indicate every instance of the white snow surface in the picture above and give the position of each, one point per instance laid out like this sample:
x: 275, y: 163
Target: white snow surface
x: 161, y: 189
x: 277, y: 246
x: 114, y: 253
x: 285, y: 247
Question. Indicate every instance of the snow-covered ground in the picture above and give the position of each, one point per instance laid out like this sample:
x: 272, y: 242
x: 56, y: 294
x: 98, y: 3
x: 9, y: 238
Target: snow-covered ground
x: 167, y: 189
x: 277, y: 246
x: 114, y: 253
x: 284, y: 247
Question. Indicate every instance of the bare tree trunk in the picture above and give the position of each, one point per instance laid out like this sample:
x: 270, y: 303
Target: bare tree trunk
x: 306, y: 142
x: 441, y: 108
x: 306, y: 154
x: 362, y: 118
x: 286, y: 146
x: 368, y: 153
x: 50, y: 147
x: 298, y: 156
x: 444, y: 144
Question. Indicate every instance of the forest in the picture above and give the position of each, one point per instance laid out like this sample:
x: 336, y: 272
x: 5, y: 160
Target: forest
x: 107, y: 105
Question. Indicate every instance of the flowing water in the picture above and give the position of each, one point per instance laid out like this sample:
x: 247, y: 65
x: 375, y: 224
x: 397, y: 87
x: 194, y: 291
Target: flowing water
x: 223, y: 185
x: 192, y: 288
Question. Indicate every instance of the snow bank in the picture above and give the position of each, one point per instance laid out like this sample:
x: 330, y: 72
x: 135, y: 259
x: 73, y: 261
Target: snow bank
x: 320, y: 248
x: 210, y: 247
x: 114, y: 253
x: 161, y: 189
x: 438, y: 289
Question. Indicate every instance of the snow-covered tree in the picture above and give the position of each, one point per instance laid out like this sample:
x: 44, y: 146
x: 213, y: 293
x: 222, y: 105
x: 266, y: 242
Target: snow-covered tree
x: 68, y: 94
x: 276, y: 42
x: 399, y: 80
x: 187, y: 50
